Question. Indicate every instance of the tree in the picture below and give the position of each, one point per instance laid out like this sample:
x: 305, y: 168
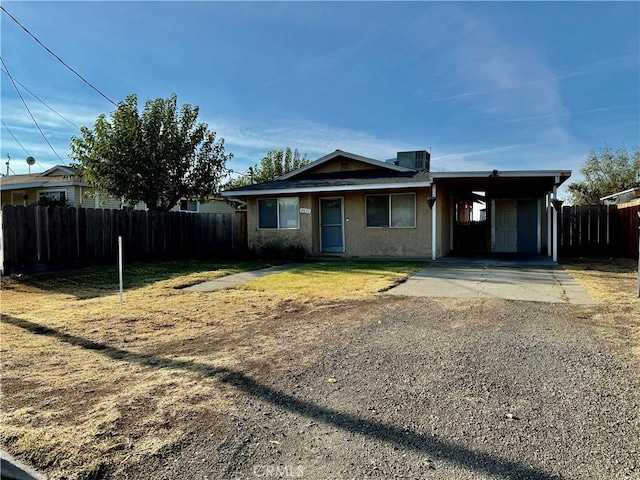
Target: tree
x: 606, y: 173
x: 274, y: 164
x: 157, y: 156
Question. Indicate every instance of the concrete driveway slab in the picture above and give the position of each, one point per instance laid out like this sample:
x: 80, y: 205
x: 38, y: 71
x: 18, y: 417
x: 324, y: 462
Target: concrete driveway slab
x: 533, y: 279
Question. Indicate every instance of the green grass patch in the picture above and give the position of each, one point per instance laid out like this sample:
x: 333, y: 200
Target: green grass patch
x: 336, y: 279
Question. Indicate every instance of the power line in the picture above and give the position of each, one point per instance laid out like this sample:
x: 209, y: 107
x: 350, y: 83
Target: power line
x: 40, y: 100
x: 56, y: 56
x: 30, y: 114
x: 14, y: 137
x: 18, y: 141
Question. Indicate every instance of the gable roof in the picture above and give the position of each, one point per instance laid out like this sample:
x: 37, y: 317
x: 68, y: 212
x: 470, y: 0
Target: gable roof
x: 341, y: 153
x: 336, y: 182
x: 68, y: 176
x: 63, y: 169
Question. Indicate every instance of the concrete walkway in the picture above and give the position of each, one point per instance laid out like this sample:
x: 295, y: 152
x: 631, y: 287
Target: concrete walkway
x: 13, y: 469
x: 238, y: 278
x: 535, y: 279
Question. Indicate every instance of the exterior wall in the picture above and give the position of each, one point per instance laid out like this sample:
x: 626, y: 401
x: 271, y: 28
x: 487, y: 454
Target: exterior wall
x: 444, y: 220
x: 32, y: 195
x: 302, y: 236
x: 215, y: 206
x: 360, y: 240
x: 336, y: 166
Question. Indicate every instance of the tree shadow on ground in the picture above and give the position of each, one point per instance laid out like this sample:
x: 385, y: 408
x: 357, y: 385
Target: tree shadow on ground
x: 479, y: 462
x: 100, y: 281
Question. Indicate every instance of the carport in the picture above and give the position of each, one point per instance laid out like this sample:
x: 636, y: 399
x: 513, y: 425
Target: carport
x: 519, y: 214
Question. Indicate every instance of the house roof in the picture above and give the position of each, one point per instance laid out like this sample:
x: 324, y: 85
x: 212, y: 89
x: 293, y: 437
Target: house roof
x: 623, y: 196
x: 351, y: 156
x: 58, y: 176
x: 337, y: 181
x: 510, y: 183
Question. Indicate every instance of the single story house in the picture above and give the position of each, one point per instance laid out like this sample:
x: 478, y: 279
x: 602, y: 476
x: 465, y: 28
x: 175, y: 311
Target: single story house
x: 63, y: 183
x: 353, y: 206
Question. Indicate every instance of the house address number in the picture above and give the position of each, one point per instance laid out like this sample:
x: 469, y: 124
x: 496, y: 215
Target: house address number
x: 305, y: 210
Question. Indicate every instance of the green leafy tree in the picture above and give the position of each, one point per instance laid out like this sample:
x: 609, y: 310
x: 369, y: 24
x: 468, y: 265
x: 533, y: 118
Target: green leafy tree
x: 156, y: 156
x: 274, y: 164
x: 606, y: 173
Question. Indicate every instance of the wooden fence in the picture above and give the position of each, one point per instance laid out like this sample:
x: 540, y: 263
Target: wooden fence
x: 40, y: 237
x: 599, y: 230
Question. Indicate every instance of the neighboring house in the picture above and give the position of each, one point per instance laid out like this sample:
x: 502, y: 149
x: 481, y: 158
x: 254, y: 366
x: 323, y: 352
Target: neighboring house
x: 626, y: 196
x: 64, y: 184
x: 351, y: 205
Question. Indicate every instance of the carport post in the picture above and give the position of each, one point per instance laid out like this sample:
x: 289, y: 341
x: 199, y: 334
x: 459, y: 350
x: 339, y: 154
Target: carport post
x: 555, y: 226
x: 433, y: 224
x: 549, y: 225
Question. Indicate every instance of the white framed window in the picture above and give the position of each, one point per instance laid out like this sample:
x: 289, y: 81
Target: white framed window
x: 17, y: 197
x: 191, y: 206
x: 279, y: 213
x: 53, y: 195
x: 396, y: 210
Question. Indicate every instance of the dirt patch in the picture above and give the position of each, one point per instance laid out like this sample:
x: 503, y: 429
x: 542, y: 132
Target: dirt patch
x: 251, y: 383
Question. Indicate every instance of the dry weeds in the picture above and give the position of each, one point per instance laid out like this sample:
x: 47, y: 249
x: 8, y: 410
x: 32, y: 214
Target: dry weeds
x: 89, y: 385
x: 612, y: 281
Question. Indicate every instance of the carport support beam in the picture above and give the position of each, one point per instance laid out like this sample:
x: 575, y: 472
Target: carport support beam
x: 434, y: 236
x: 549, y: 214
x: 555, y: 226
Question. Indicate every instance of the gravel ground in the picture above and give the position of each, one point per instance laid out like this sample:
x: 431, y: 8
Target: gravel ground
x: 428, y: 388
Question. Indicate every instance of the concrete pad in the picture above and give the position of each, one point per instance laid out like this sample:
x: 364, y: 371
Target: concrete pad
x: 238, y: 278
x: 13, y: 469
x: 534, y: 279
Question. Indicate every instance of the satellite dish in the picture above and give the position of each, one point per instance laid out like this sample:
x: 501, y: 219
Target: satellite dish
x: 31, y: 160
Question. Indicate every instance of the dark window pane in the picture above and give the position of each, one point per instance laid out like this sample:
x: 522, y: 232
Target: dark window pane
x: 378, y: 211
x: 268, y: 213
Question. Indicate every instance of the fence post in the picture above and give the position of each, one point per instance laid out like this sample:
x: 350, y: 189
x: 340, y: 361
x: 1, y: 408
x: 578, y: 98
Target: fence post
x: 638, y: 256
x: 120, y: 265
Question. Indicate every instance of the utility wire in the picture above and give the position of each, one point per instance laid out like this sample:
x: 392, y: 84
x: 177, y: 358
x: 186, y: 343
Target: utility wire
x: 30, y: 114
x: 14, y: 137
x: 40, y: 100
x: 56, y: 56
x: 18, y: 141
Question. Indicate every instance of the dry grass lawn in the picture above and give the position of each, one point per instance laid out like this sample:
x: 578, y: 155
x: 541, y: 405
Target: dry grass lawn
x: 612, y: 281
x: 89, y: 385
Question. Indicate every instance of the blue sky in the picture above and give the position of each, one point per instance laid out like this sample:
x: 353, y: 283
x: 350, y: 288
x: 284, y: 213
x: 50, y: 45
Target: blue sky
x: 500, y: 85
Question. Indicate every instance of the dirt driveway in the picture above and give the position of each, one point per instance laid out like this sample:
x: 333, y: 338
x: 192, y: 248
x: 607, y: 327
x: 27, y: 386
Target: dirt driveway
x: 401, y: 387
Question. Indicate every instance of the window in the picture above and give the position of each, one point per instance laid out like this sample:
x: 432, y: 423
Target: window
x: 282, y: 213
x: 18, y: 198
x: 52, y: 198
x: 53, y: 195
x: 188, y: 206
x: 397, y: 210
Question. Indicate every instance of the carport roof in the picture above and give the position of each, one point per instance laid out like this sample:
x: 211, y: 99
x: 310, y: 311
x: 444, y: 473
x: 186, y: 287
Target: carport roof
x: 536, y: 182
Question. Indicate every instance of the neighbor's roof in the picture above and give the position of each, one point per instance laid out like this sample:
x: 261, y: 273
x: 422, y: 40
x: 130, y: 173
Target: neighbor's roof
x: 67, y: 176
x: 631, y: 193
x: 336, y: 182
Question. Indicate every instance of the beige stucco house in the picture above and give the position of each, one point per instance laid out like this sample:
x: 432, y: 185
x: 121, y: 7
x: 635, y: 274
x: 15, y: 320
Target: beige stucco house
x: 353, y: 206
x: 64, y: 183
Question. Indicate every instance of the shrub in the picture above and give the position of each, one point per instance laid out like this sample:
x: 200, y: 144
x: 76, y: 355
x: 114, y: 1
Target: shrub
x: 281, y: 251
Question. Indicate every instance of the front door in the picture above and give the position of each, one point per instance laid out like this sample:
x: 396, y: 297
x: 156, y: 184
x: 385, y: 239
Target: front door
x: 506, y: 226
x: 331, y: 225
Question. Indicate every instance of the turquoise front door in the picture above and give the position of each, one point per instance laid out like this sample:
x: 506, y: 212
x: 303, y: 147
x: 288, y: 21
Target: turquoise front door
x: 331, y: 225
